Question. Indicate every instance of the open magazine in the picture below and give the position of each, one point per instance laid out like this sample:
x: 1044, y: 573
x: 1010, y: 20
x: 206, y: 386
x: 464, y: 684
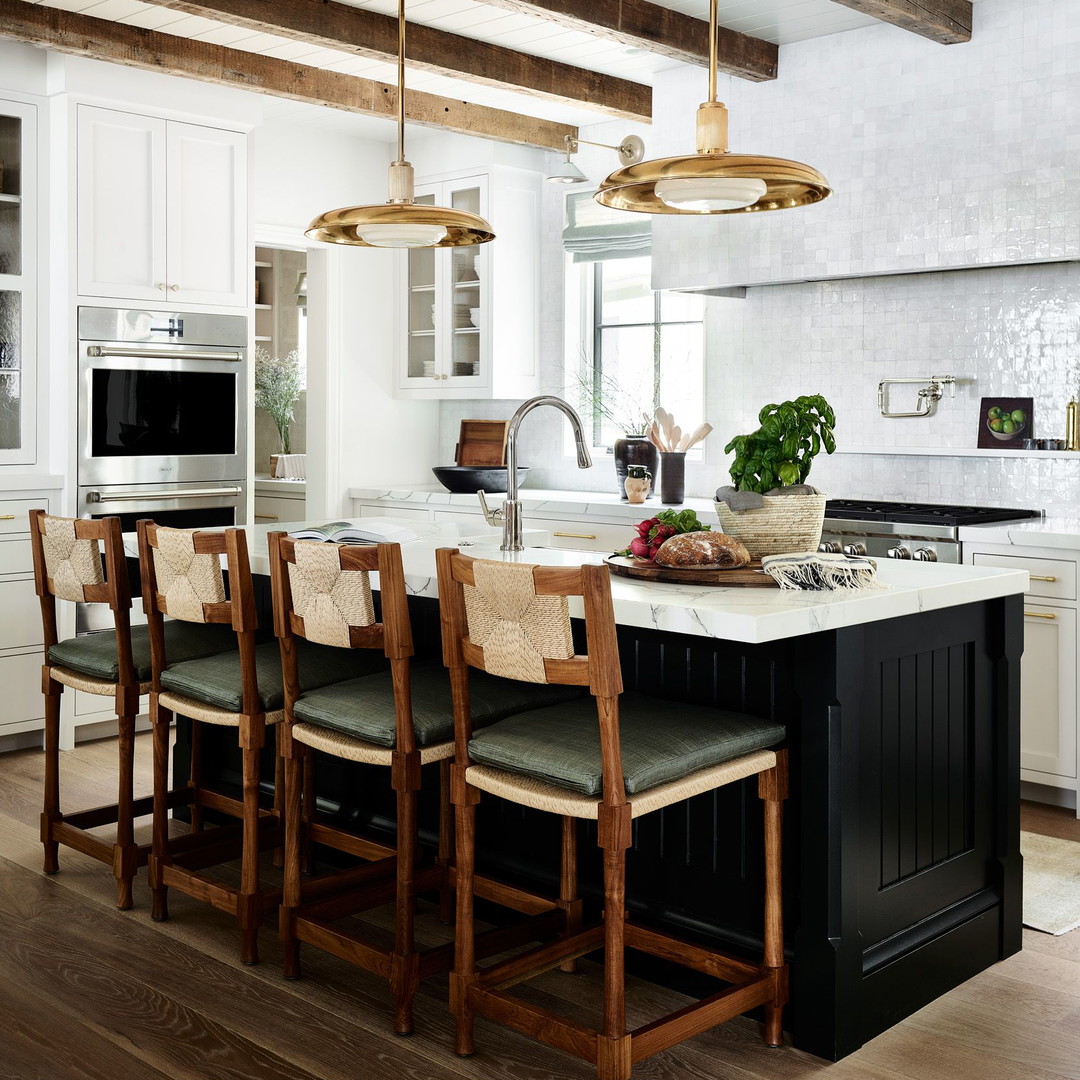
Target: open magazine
x: 368, y: 531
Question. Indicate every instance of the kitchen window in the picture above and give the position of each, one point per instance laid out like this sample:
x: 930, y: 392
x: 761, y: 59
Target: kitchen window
x: 629, y: 348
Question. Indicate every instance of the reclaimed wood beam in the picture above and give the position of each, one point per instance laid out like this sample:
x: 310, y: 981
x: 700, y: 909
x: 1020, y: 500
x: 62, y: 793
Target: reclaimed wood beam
x: 331, y: 25
x: 118, y: 43
x: 658, y: 30
x: 947, y: 21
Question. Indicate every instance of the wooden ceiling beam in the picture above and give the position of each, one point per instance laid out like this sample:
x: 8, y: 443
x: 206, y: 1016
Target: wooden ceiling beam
x: 946, y: 21
x: 331, y: 25
x: 656, y: 29
x: 118, y: 43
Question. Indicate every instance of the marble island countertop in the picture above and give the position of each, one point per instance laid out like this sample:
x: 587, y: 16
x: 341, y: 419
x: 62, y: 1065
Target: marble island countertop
x: 1056, y: 530
x: 738, y: 614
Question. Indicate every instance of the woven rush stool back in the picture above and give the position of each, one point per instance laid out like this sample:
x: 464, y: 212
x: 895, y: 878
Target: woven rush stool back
x: 513, y: 619
x: 82, y: 561
x: 322, y: 592
x: 183, y: 571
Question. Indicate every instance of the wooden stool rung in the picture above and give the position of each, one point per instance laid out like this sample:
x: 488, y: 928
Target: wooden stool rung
x: 537, y: 961
x: 351, y: 844
x: 73, y: 837
x: 499, y: 893
x: 539, y: 1023
x: 345, y: 945
x: 687, y: 954
x: 698, y: 1017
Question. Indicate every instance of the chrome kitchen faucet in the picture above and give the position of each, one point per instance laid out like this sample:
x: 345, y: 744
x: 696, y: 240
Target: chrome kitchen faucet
x: 509, y: 516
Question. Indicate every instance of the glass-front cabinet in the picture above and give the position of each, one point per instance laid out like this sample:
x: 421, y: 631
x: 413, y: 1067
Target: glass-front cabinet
x: 457, y: 301
x: 18, y: 270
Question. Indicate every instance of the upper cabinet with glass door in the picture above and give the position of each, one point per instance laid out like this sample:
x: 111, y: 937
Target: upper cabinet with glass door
x: 469, y: 316
x: 18, y: 274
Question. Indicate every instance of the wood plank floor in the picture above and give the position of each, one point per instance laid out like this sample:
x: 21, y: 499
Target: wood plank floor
x: 90, y: 993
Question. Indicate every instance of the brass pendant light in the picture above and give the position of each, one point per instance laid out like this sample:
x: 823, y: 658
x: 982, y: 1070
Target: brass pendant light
x: 714, y: 180
x: 400, y: 222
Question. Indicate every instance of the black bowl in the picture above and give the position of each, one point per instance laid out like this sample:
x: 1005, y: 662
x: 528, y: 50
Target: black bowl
x: 464, y: 479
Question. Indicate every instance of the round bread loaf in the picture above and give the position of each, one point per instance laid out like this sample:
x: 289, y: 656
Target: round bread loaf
x: 703, y: 551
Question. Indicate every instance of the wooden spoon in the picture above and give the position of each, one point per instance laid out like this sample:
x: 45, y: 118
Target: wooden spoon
x: 665, y: 420
x: 676, y: 438
x: 696, y: 437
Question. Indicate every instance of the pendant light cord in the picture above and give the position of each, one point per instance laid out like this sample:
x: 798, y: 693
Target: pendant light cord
x: 712, y: 49
x: 401, y: 81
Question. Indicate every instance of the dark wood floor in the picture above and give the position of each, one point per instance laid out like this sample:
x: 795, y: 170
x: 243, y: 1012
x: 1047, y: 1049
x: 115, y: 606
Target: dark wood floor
x: 91, y: 993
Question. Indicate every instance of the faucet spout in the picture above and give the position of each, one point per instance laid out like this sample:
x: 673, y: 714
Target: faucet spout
x: 512, y: 507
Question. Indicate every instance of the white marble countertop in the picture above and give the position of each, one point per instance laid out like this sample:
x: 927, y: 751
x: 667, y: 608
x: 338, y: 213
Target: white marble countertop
x: 736, y: 614
x: 1052, y: 531
x: 597, y: 504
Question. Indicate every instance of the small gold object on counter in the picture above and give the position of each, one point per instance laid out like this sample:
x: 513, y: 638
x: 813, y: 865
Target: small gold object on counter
x: 1072, y: 425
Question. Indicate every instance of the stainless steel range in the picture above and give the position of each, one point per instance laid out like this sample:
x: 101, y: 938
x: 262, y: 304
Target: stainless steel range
x: 899, y: 530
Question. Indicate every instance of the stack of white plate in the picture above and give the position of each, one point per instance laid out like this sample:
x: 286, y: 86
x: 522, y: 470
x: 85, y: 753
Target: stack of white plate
x: 428, y: 367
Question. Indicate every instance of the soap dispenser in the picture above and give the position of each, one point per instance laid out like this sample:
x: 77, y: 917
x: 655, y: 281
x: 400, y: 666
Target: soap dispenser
x: 1072, y: 425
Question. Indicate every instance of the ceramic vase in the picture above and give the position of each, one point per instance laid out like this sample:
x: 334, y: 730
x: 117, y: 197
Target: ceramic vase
x: 633, y: 450
x: 672, y: 477
x: 637, y: 488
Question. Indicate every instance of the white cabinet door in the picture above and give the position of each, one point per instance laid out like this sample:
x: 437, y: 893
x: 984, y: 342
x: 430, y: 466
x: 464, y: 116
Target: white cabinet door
x: 121, y: 204
x: 1048, y: 694
x: 206, y: 217
x: 162, y: 210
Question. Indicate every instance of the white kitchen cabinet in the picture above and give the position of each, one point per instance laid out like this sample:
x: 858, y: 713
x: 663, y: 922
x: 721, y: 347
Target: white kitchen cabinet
x: 162, y: 210
x: 279, y: 500
x: 1048, y: 683
x: 21, y: 633
x: 469, y: 316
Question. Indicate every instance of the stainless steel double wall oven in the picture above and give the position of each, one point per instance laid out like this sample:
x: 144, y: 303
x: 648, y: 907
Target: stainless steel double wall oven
x: 162, y: 416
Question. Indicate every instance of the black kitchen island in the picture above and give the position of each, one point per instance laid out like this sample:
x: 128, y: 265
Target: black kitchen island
x: 902, y: 864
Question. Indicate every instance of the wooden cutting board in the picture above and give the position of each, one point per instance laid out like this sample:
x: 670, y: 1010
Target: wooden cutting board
x: 750, y: 576
x: 482, y: 443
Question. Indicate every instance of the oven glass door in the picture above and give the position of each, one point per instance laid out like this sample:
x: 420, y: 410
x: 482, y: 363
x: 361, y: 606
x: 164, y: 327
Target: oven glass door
x: 141, y: 413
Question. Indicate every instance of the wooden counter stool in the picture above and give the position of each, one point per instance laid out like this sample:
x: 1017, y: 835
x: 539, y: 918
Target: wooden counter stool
x: 242, y: 689
x: 82, y: 561
x: 610, y: 760
x: 401, y: 719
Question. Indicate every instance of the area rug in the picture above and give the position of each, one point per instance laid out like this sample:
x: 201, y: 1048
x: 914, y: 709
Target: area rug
x: 1051, y: 883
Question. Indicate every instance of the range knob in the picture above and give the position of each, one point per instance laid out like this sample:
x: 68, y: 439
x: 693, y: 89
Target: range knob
x: 854, y: 549
x: 830, y: 547
x: 926, y: 555
x: 899, y: 553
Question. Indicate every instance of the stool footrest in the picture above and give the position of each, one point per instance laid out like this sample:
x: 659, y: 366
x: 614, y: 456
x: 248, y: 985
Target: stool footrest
x: 72, y: 836
x: 350, y: 843
x: 537, y: 961
x: 689, y: 955
x: 539, y: 1023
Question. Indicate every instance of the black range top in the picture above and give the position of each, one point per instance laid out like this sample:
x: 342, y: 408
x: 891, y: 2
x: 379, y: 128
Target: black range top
x: 921, y: 513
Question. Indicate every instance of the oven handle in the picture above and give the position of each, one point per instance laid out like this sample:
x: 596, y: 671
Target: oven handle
x: 163, y: 354
x: 150, y: 496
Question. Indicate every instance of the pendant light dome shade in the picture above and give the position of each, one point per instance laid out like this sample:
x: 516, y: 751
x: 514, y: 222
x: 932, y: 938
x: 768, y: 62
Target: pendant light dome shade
x: 400, y: 222
x: 714, y: 180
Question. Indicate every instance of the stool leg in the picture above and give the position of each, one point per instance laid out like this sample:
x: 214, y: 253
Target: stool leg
x: 404, y: 969
x: 464, y: 947
x: 279, y: 798
x: 568, y: 885
x: 445, y: 856
x: 195, y: 778
x: 295, y: 845
x: 307, y: 808
x: 125, y: 854
x: 249, y: 902
x: 51, y: 808
x: 160, y: 719
x: 772, y: 789
x: 613, y: 1043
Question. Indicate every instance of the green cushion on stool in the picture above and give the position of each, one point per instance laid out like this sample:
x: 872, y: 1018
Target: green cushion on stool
x: 216, y: 679
x: 661, y: 741
x: 364, y: 708
x: 95, y: 654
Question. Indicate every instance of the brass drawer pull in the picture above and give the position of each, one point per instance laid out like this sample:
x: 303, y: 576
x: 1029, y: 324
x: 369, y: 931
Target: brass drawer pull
x: 1040, y: 577
x: 1038, y: 615
x: 576, y: 536
x: 7, y: 517
x: 267, y: 517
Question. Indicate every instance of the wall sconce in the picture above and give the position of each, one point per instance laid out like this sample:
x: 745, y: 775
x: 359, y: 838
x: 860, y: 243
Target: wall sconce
x: 631, y: 150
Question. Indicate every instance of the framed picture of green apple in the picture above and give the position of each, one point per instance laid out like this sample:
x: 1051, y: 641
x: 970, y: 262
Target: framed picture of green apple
x: 1005, y: 422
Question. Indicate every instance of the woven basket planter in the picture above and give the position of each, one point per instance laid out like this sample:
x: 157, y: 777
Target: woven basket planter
x: 786, y: 523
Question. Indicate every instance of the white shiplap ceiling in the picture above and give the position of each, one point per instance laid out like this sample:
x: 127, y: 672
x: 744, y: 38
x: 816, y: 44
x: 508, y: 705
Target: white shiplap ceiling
x: 780, y: 21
